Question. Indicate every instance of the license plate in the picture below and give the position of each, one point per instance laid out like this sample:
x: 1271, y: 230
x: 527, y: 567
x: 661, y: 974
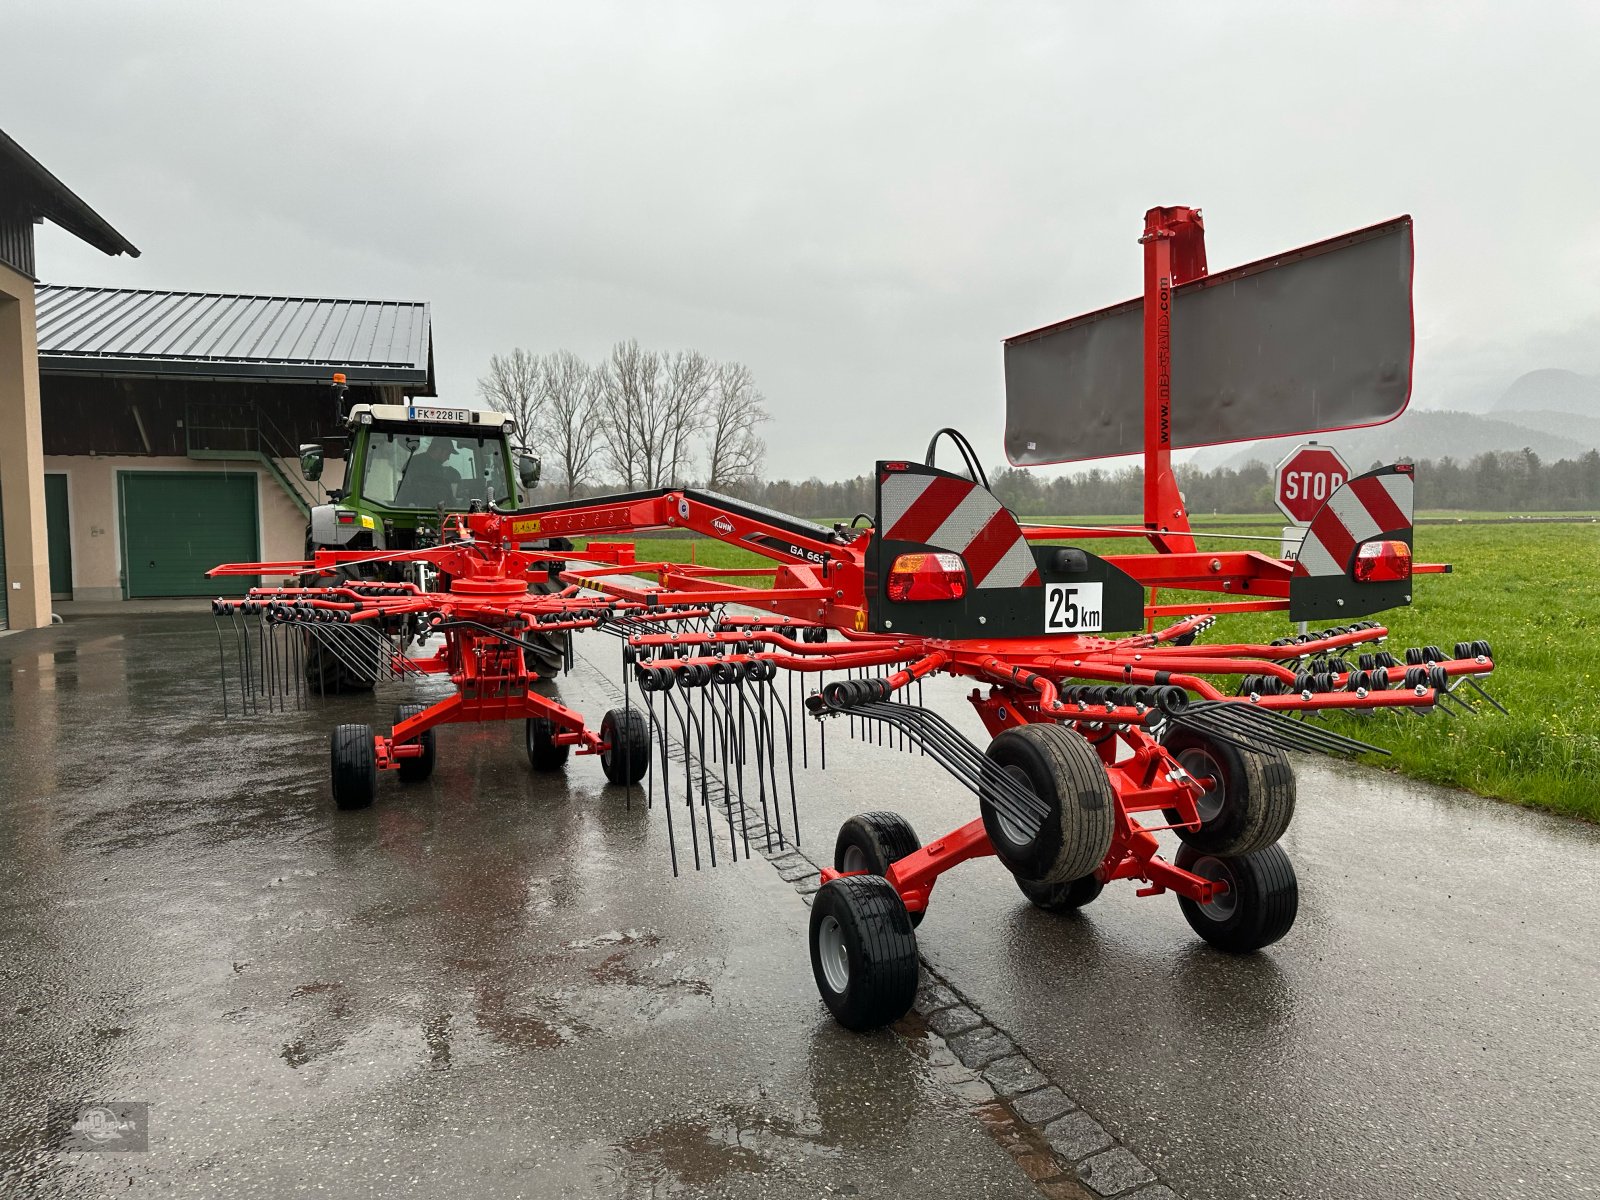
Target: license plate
x: 1072, y: 608
x: 441, y: 414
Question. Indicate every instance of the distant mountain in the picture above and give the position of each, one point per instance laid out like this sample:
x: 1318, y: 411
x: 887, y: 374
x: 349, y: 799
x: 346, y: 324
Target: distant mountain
x: 1551, y: 390
x: 1427, y: 433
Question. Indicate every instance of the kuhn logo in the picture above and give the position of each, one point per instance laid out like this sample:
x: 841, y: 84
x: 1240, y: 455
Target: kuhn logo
x: 722, y: 525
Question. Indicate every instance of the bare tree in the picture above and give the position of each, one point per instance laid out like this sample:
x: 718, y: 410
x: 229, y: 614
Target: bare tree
x: 512, y: 386
x: 569, y: 419
x: 689, y: 379
x: 733, y: 448
x: 628, y: 384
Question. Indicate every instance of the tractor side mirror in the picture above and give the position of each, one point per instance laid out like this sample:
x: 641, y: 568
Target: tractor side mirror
x: 528, y: 468
x: 311, y: 462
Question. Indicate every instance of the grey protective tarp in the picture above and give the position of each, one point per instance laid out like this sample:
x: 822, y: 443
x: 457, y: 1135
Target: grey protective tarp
x: 1306, y: 342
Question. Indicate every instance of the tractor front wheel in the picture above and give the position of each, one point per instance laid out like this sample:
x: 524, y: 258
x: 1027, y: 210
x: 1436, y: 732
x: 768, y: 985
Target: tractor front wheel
x: 355, y: 766
x: 1259, y: 906
x: 415, y: 770
x: 626, y: 757
x: 863, y: 951
x: 544, y: 754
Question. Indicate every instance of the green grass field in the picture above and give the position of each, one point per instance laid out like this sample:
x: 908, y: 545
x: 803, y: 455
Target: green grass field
x: 1530, y: 590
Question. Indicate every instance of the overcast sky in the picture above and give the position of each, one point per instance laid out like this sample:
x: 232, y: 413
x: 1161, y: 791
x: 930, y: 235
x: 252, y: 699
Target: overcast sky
x: 858, y: 200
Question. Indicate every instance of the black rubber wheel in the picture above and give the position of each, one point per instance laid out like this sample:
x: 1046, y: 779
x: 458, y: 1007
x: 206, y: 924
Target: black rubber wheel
x: 325, y: 673
x: 1061, y: 897
x: 355, y: 766
x: 1063, y: 770
x: 870, y: 841
x: 544, y: 754
x: 863, y: 952
x: 1251, y: 803
x: 546, y: 653
x: 627, y: 736
x: 1259, y: 906
x: 415, y: 770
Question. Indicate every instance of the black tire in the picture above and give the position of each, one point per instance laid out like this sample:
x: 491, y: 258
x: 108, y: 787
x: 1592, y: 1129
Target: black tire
x: 546, y: 653
x: 326, y: 674
x: 627, y: 736
x: 354, y: 776
x: 1259, y: 906
x: 863, y: 952
x: 544, y: 754
x: 870, y: 841
x: 415, y: 770
x: 1252, y: 802
x: 1063, y: 770
x: 1061, y: 897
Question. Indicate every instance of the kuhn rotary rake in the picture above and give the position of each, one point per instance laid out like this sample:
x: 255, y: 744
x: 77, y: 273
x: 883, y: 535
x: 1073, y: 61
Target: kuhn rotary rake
x: 1106, y: 728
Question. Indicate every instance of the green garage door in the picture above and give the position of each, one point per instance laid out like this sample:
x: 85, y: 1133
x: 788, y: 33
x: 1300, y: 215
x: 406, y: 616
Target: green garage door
x: 177, y: 525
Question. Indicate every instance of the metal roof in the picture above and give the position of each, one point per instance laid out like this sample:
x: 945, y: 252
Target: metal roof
x: 126, y: 331
x: 27, y: 186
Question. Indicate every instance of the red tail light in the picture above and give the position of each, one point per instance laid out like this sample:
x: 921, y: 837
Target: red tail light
x: 928, y: 577
x: 1379, y: 562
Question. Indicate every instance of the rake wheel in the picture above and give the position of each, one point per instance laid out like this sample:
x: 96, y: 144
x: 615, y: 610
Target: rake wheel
x: 354, y: 775
x: 1250, y: 802
x: 1061, y: 897
x: 1063, y: 770
x: 872, y: 841
x: 1259, y: 906
x: 544, y: 752
x: 863, y: 951
x: 627, y: 755
x: 415, y: 770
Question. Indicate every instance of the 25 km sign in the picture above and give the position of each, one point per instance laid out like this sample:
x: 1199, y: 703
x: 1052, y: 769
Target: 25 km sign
x: 1304, y: 481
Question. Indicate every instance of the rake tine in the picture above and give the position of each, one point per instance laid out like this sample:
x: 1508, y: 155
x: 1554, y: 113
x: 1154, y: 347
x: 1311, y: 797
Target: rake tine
x: 1478, y: 687
x: 688, y: 782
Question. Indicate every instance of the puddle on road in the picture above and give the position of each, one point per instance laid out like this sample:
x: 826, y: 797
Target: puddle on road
x: 688, y: 1154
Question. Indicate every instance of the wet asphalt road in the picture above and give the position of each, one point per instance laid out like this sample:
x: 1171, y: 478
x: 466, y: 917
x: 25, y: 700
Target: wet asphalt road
x: 490, y: 983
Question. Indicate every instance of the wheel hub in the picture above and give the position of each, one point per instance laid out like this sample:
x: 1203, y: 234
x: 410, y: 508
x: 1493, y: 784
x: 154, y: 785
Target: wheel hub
x: 833, y: 954
x: 1223, y: 905
x: 1202, y: 766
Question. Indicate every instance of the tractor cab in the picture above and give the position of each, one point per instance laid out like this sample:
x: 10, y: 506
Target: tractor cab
x: 406, y: 466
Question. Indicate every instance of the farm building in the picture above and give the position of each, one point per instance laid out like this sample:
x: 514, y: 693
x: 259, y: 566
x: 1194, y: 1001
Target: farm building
x: 172, y: 422
x: 146, y: 436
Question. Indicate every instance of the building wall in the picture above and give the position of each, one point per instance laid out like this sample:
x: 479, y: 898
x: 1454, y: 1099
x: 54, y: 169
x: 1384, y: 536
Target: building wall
x: 94, y: 516
x: 27, y: 565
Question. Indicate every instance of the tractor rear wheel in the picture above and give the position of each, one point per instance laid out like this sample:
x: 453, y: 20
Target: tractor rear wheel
x: 544, y: 753
x: 1061, y: 897
x: 871, y: 841
x: 354, y: 776
x: 1060, y: 767
x: 626, y: 757
x: 415, y: 770
x: 863, y: 951
x: 1259, y: 906
x: 546, y: 652
x: 1250, y: 801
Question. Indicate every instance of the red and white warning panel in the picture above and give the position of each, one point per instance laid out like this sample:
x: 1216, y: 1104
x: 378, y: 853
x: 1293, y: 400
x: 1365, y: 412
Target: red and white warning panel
x: 1369, y: 506
x: 951, y: 513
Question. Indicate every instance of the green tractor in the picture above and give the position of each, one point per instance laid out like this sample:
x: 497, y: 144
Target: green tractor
x: 407, y: 467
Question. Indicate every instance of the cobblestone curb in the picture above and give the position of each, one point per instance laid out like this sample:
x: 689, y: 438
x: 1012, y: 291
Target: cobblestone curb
x: 1059, y: 1146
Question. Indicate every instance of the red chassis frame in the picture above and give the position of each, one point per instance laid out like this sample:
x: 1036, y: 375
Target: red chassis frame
x: 820, y: 583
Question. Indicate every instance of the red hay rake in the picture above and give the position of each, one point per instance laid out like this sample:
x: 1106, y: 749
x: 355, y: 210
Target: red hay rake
x: 1106, y: 726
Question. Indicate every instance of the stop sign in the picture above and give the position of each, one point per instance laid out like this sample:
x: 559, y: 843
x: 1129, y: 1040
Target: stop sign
x: 1305, y: 480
